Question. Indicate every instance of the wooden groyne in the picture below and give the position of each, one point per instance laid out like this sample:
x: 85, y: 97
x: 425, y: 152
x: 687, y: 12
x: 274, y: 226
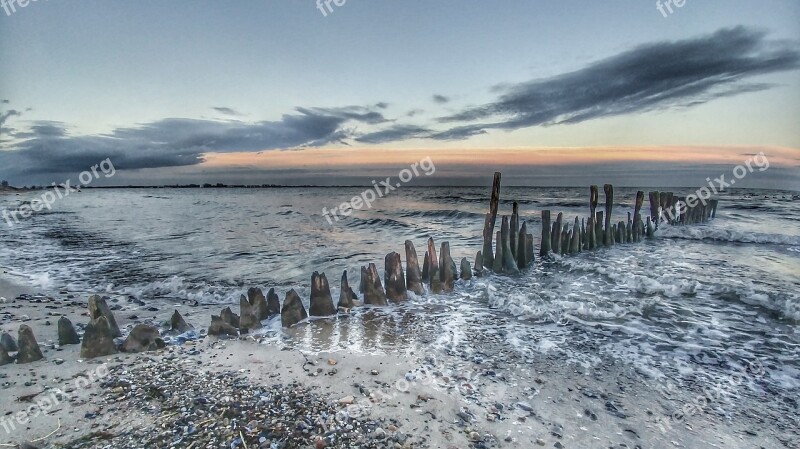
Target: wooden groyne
x: 507, y: 251
x: 597, y: 230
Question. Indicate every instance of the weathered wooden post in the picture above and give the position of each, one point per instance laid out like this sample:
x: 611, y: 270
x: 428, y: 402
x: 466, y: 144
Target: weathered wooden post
x: 433, y: 268
x: 564, y: 241
x: 374, y: 293
x: 575, y: 242
x: 466, y: 269
x: 522, y: 247
x: 558, y: 228
x: 479, y: 263
x: 714, y: 204
x: 321, y: 303
x: 529, y: 249
x: 514, y: 230
x: 497, y: 266
x: 413, y: 275
x: 426, y: 269
x: 637, y: 216
x: 650, y: 228
x: 590, y: 241
x: 598, y: 229
x: 584, y: 237
x: 681, y: 210
x: 629, y: 230
x: 488, y: 226
x: 394, y: 278
x: 594, y: 197
x: 509, y: 264
x: 546, y: 240
x: 655, y: 202
x: 609, y: 191
x: 666, y: 207
x: 447, y: 267
x: 347, y: 296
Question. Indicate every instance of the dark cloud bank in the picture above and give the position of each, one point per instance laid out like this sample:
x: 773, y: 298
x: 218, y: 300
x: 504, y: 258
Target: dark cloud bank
x: 650, y: 77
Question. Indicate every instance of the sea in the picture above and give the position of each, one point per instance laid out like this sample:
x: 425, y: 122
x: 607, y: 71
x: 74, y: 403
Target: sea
x: 687, y: 309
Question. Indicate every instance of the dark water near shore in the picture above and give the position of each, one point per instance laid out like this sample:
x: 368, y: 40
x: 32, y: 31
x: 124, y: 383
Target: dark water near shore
x: 692, y: 306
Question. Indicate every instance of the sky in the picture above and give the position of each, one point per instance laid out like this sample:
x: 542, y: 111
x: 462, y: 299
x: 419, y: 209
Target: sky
x: 276, y: 92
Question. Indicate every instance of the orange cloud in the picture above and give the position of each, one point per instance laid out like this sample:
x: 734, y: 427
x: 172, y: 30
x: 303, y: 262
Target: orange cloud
x: 320, y: 158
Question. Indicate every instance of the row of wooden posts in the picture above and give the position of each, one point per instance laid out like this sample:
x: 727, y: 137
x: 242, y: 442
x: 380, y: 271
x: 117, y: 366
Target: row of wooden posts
x: 507, y: 251
x: 513, y: 245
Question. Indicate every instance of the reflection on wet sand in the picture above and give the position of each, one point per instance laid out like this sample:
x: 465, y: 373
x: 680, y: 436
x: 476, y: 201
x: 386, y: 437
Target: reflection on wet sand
x: 369, y: 330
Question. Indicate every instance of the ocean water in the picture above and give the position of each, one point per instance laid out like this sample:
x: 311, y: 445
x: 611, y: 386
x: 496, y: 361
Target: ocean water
x: 689, y: 307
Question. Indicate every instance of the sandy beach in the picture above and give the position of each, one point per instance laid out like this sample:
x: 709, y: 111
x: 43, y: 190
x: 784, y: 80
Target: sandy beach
x: 213, y: 392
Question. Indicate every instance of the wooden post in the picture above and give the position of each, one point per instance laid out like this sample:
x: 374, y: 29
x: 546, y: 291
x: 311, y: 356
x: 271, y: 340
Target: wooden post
x: 321, y: 303
x: 593, y: 199
x: 394, y: 279
x: 497, y: 265
x: 609, y: 191
x: 447, y: 268
x: 637, y: 216
x: 466, y: 269
x: 557, y: 229
x: 426, y: 269
x: 544, y: 249
x: 584, y: 237
x: 514, y: 230
x: 509, y: 264
x: 575, y: 242
x: 529, y: 249
x: 629, y: 230
x: 655, y: 202
x: 598, y: 230
x: 373, y: 289
x: 413, y: 275
x: 488, y: 226
x: 522, y: 247
x: 347, y: 296
x: 433, y: 270
x: 670, y: 212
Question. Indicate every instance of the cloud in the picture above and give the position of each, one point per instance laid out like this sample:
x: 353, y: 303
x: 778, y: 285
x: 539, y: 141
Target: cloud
x: 227, y: 111
x: 414, y: 112
x: 650, y: 77
x: 440, y: 99
x: 46, y: 147
x: 395, y: 133
x: 5, y: 115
